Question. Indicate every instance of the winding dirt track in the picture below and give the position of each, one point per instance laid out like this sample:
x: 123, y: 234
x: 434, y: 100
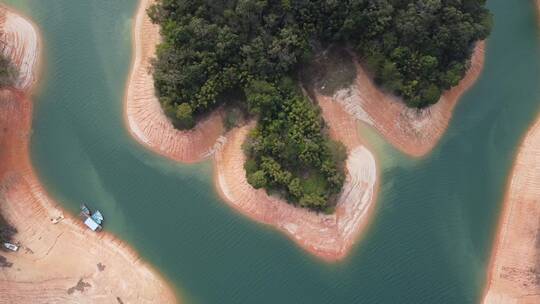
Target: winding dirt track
x: 57, y: 263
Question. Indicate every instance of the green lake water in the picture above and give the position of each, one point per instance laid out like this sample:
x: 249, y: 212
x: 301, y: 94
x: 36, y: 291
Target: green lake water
x: 435, y: 218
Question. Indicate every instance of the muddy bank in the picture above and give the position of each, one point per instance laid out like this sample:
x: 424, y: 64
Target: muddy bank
x: 63, y: 262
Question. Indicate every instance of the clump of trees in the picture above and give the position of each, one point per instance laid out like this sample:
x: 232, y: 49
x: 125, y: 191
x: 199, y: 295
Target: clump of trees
x: 287, y: 152
x: 216, y: 52
x: 417, y: 49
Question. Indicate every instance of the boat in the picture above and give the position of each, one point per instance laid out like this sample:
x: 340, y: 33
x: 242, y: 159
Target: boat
x: 97, y: 217
x: 92, y: 221
x: 11, y: 247
x: 85, y: 210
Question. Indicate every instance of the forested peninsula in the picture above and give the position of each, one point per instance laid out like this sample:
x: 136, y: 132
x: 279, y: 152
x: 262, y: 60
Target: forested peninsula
x: 249, y: 54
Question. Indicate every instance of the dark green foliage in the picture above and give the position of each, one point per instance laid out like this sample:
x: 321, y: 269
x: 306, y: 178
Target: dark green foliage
x: 288, y: 148
x: 212, y: 48
x: 215, y: 52
x: 416, y: 49
x: 6, y: 231
x: 184, y: 116
x: 8, y: 73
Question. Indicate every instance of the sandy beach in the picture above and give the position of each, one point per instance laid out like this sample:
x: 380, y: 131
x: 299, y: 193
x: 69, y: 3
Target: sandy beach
x: 514, y: 271
x: 63, y: 262
x: 413, y: 132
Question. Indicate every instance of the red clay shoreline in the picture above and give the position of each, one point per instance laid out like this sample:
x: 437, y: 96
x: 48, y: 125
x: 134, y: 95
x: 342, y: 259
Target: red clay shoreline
x: 329, y: 237
x: 54, y: 257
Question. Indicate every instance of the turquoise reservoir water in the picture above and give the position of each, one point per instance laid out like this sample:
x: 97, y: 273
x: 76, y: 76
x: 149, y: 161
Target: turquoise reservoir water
x: 433, y: 228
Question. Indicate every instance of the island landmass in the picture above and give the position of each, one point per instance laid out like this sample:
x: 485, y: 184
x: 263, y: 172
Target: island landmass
x: 329, y: 236
x: 56, y: 262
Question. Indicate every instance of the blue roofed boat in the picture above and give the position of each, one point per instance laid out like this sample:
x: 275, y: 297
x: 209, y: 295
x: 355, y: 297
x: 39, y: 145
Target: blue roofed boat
x: 92, y: 221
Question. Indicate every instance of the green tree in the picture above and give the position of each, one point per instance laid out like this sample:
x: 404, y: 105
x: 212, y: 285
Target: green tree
x: 257, y: 179
x: 184, y: 115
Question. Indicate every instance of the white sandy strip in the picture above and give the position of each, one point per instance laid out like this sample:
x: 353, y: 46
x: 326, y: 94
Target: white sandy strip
x: 19, y: 41
x: 357, y: 194
x: 351, y: 100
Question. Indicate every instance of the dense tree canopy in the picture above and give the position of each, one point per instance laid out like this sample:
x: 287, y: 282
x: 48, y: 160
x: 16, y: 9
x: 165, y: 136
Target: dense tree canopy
x: 251, y: 50
x: 287, y: 151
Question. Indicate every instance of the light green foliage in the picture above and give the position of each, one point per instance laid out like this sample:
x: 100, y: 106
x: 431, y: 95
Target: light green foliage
x: 257, y: 179
x: 184, y: 116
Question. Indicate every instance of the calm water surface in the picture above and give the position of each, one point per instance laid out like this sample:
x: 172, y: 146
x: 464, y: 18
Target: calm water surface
x: 435, y: 218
